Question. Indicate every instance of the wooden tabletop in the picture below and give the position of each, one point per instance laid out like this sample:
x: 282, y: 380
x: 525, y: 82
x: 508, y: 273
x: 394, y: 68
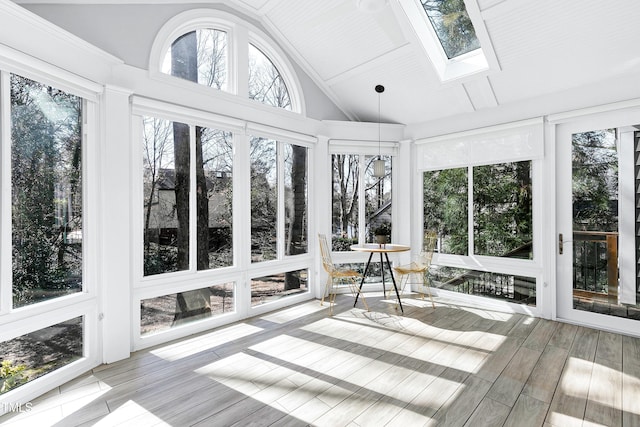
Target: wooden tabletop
x: 375, y: 247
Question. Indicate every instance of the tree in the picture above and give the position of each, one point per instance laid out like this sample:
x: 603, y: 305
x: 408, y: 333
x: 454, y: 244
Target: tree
x: 265, y: 82
x: 595, y: 181
x: 264, y: 198
x: 445, y: 208
x: 453, y: 26
x: 345, y: 196
x: 46, y: 168
x: 297, y: 238
x: 502, y: 206
x: 217, y: 154
x: 184, y: 64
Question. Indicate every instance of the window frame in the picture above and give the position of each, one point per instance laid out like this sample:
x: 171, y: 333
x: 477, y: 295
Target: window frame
x: 363, y: 151
x: 474, y: 63
x: 449, y: 259
x: 172, y: 113
x: 15, y: 322
x: 239, y: 34
x: 242, y: 271
x: 512, y: 142
x: 281, y: 196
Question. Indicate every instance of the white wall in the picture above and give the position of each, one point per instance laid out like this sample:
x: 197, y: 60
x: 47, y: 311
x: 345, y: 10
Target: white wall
x: 128, y: 31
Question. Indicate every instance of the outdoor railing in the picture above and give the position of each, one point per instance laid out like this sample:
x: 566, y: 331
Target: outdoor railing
x: 595, y: 265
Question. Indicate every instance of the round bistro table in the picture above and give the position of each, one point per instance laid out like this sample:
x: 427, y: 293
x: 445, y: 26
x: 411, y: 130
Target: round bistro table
x: 382, y: 249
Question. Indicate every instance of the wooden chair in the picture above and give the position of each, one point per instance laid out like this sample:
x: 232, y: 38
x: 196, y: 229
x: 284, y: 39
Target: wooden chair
x: 336, y: 276
x: 420, y: 266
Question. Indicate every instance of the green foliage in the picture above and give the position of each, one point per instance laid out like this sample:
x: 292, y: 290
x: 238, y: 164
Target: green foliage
x: 342, y: 244
x: 453, y: 26
x: 595, y: 181
x: 384, y: 229
x: 159, y: 258
x: 46, y: 175
x: 445, y: 208
x: 503, y: 209
x: 11, y: 376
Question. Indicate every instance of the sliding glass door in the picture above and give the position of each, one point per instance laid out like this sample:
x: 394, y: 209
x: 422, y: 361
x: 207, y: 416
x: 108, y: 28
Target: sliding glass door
x: 596, y: 183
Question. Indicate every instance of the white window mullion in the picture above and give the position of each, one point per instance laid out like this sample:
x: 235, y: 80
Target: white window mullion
x: 470, y: 212
x: 239, y: 55
x: 362, y: 217
x: 5, y: 195
x: 281, y: 208
x: 91, y: 217
x: 193, y: 207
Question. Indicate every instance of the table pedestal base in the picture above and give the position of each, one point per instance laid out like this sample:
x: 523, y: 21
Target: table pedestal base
x: 382, y: 271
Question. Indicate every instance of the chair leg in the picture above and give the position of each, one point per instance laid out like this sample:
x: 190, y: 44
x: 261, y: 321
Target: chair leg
x: 332, y: 301
x: 353, y: 284
x: 404, y: 279
x: 327, y: 290
x: 425, y: 283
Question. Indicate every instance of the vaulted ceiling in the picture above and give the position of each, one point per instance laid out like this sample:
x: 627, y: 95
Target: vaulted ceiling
x: 544, y: 50
x: 542, y: 47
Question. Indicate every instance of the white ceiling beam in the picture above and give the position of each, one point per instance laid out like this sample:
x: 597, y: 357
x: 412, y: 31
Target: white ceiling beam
x: 480, y: 93
x: 387, y: 57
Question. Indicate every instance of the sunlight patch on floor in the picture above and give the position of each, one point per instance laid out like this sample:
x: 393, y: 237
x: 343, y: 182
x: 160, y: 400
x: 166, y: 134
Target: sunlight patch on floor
x: 560, y: 419
x: 127, y: 412
x: 497, y: 316
x: 605, y: 385
x: 481, y: 342
x: 295, y: 312
x: 575, y: 372
x: 79, y: 404
x: 310, y: 371
x: 199, y: 343
x: 262, y: 380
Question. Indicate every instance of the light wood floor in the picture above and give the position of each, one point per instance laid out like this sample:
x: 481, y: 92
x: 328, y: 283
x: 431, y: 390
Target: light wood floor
x: 452, y: 366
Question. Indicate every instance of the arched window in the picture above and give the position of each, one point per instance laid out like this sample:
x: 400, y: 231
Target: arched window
x: 201, y: 56
x: 210, y: 48
x: 266, y: 85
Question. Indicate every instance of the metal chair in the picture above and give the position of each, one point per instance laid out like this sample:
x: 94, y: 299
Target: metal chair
x: 420, y: 266
x: 338, y: 275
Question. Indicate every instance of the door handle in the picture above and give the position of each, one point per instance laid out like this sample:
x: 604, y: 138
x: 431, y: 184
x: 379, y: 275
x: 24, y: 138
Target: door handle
x: 560, y: 244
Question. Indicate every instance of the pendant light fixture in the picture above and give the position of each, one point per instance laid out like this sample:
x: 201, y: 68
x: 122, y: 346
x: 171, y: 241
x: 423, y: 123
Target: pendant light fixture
x: 378, y: 165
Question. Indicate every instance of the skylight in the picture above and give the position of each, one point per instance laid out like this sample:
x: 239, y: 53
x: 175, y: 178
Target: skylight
x: 453, y: 35
x: 452, y: 25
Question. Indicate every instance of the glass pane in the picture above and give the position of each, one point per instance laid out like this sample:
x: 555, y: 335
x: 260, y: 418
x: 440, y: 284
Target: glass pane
x: 377, y: 193
x: 344, y: 212
x: 516, y: 289
x: 451, y: 22
x: 46, y: 191
x: 264, y: 200
x: 595, y: 222
x: 272, y: 288
x: 296, y: 215
x: 502, y: 209
x: 595, y: 181
x: 265, y: 82
x: 166, y: 196
x: 204, y: 51
x: 35, y: 354
x: 214, y: 189
x: 165, y: 312
x: 445, y: 209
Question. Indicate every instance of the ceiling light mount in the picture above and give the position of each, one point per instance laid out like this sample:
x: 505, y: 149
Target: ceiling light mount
x: 379, y: 166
